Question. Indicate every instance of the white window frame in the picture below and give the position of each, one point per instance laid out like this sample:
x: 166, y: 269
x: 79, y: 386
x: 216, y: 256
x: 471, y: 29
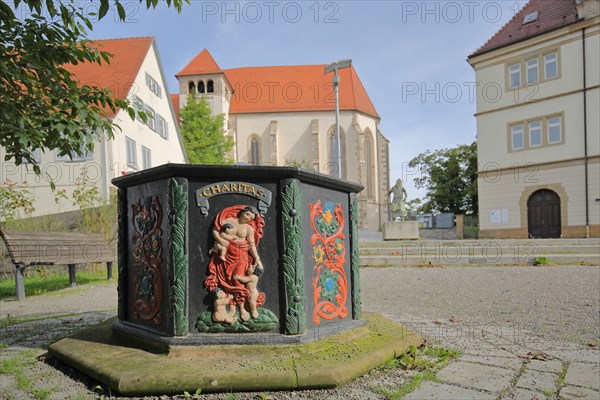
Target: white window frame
x: 161, y: 127
x: 131, y: 153
x: 151, y: 121
x: 153, y: 85
x: 515, y: 130
x: 139, y: 106
x: 538, y: 130
x: 548, y: 61
x: 550, y: 125
x: 532, y: 65
x: 146, y: 158
x: 514, y: 69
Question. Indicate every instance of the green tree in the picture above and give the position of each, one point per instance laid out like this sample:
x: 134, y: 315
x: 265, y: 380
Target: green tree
x: 203, y: 136
x: 449, y: 177
x: 41, y: 103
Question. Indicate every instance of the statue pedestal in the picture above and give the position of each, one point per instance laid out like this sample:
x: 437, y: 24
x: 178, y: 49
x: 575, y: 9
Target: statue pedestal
x: 400, y: 230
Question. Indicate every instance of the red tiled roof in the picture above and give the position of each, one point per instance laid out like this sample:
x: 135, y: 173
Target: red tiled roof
x: 295, y: 88
x: 175, y: 102
x: 552, y: 14
x: 119, y: 74
x: 285, y: 88
x: 203, y: 63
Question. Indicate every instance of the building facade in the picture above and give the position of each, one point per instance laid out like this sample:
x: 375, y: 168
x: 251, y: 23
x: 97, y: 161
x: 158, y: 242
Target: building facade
x: 538, y: 125
x: 135, y: 73
x: 284, y: 115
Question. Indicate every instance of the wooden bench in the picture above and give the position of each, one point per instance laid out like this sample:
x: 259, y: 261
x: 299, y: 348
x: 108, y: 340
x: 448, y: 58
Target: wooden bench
x: 54, y: 248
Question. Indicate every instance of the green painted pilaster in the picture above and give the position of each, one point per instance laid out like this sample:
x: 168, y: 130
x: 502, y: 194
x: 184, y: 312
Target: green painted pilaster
x: 178, y: 257
x: 293, y: 262
x: 354, y: 262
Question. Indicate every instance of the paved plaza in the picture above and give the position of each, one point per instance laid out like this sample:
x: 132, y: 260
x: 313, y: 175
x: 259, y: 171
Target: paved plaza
x: 523, y: 332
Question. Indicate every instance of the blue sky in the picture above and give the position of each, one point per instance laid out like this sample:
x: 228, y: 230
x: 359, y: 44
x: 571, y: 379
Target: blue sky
x: 409, y: 55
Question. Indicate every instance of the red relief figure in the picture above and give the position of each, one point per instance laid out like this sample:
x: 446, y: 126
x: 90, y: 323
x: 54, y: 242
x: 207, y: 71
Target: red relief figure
x: 237, y: 231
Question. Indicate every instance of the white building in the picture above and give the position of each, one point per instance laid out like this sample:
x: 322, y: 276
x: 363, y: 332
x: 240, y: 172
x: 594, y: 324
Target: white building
x: 539, y: 137
x: 135, y: 72
x: 284, y: 114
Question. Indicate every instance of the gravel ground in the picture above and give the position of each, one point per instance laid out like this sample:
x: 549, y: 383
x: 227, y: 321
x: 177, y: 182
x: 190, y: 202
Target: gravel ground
x: 559, y: 306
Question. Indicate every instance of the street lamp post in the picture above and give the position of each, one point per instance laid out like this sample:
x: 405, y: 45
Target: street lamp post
x: 334, y: 66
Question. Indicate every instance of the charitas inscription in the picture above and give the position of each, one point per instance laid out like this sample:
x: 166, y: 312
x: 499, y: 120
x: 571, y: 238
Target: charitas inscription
x: 203, y: 194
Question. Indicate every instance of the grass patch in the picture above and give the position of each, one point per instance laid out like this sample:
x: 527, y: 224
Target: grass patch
x: 413, y: 384
x: 425, y: 359
x: 39, y: 284
x: 15, y: 367
x: 10, y: 320
x: 540, y: 260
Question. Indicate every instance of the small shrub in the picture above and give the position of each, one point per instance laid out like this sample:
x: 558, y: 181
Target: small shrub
x: 540, y: 260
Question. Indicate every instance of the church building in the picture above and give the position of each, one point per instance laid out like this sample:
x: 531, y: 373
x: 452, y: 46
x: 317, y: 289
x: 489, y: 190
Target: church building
x: 285, y: 115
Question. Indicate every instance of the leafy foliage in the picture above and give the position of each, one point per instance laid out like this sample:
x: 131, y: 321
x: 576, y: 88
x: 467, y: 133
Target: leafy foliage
x: 266, y: 321
x: 203, y: 136
x: 449, y: 176
x: 13, y: 201
x: 42, y: 105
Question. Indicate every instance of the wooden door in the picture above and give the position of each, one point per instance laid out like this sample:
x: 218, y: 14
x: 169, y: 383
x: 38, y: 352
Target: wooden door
x: 543, y: 215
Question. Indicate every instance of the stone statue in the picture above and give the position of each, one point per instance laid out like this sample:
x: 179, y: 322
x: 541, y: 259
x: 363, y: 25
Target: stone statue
x: 398, y: 201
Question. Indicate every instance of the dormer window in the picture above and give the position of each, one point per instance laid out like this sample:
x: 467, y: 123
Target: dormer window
x: 531, y: 17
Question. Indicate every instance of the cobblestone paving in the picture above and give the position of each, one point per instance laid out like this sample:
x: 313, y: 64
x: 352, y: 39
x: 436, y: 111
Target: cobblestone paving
x: 499, y: 359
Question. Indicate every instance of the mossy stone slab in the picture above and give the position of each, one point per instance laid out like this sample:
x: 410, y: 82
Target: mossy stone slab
x: 325, y: 363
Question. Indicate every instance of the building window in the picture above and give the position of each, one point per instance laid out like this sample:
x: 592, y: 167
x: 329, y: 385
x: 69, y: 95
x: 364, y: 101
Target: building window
x: 73, y: 156
x: 531, y: 17
x: 153, y: 85
x: 535, y: 133
x: 201, y: 88
x: 551, y: 65
x: 139, y: 105
x: 333, y: 153
x: 191, y: 87
x: 131, y: 153
x: 254, y: 147
x: 517, y: 137
x: 514, y: 72
x: 532, y: 70
x: 554, y: 130
x: 146, y: 158
x: 161, y: 127
x: 210, y: 86
x: 369, y: 162
x: 151, y: 121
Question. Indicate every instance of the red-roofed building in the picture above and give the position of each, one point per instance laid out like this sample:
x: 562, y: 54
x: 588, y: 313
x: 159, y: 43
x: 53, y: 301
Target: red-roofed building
x: 134, y: 72
x: 284, y: 115
x: 538, y: 125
